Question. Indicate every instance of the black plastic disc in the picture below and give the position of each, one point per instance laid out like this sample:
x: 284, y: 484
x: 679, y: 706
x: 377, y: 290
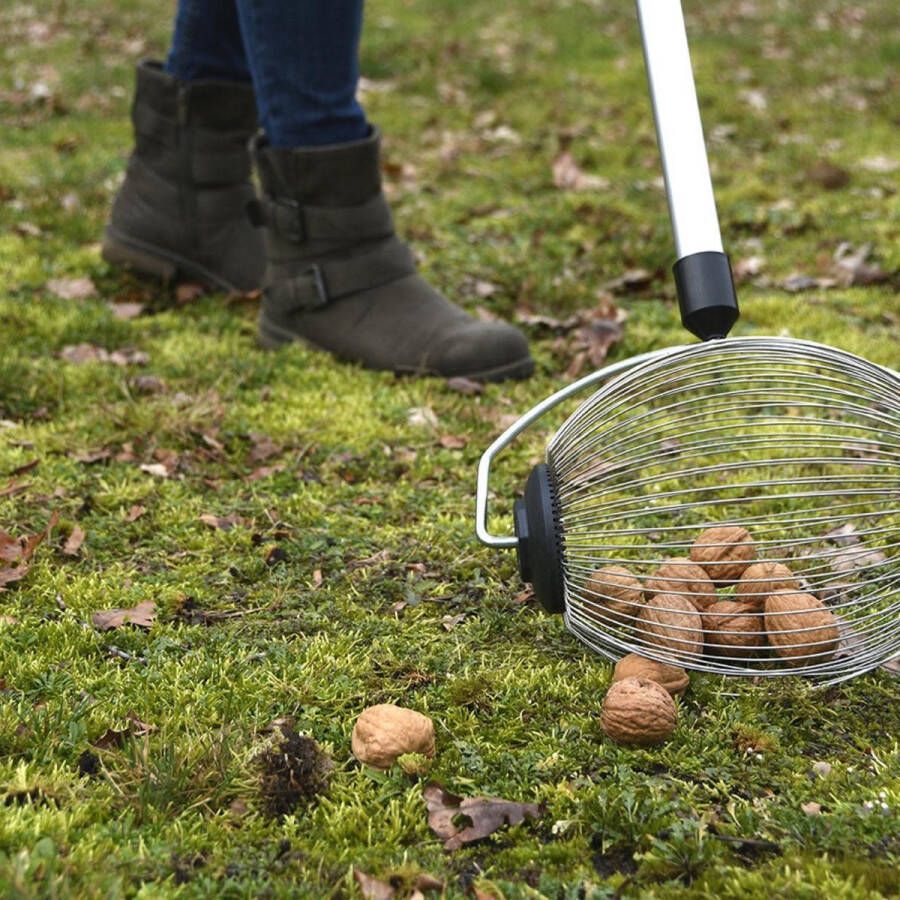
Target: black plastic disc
x: 540, y: 539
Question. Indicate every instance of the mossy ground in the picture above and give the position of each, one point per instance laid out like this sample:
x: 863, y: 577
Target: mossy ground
x: 477, y: 98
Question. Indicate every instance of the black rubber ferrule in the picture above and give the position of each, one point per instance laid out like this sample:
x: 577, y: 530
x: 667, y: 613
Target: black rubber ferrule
x: 540, y: 542
x: 706, y: 294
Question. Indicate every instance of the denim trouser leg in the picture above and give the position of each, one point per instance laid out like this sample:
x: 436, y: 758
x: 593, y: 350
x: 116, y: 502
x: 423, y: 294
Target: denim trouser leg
x: 207, y: 42
x: 302, y: 56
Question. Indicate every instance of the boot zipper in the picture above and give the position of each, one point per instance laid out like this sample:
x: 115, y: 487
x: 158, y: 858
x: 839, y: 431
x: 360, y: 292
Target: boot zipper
x: 188, y: 200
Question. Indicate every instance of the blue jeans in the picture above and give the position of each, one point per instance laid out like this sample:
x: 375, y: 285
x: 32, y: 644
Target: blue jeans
x: 302, y: 57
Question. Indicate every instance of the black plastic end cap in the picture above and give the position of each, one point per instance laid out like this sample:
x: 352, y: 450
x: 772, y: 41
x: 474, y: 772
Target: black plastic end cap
x: 536, y: 518
x: 706, y: 294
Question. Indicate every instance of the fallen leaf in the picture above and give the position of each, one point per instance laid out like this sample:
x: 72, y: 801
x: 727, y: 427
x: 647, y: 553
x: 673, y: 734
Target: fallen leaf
x: 142, y: 615
x: 881, y: 164
x: 850, y: 558
x: 135, y: 513
x: 72, y: 288
x: 422, y: 417
x: 157, y: 470
x: 78, y: 354
x: 265, y: 472
x: 568, y: 176
x: 852, y: 266
x: 127, y: 310
x: 747, y: 268
x: 74, y: 541
x: 317, y: 579
x: 821, y: 768
x: 371, y: 888
x: 14, y: 487
x: 630, y: 280
x: 25, y: 467
x: 8, y: 620
x: 88, y: 457
x: 222, y: 523
x: 187, y: 292
x: 263, y: 448
x: 477, y: 816
x: 452, y: 441
x: 450, y: 622
x: 797, y: 282
x: 116, y: 738
x: 147, y: 384
x: 485, y: 288
x: 811, y: 808
x: 463, y: 385
x: 827, y: 175
x: 844, y: 534
x: 18, y: 552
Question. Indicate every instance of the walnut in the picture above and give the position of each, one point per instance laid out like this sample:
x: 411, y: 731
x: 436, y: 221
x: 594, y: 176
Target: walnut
x: 681, y: 576
x: 384, y: 732
x: 724, y: 551
x: 801, y: 628
x: 673, y: 678
x: 615, y: 596
x: 638, y: 711
x: 671, y: 622
x: 761, y: 579
x: 732, y: 630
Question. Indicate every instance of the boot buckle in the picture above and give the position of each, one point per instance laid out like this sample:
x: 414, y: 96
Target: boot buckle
x: 320, y: 289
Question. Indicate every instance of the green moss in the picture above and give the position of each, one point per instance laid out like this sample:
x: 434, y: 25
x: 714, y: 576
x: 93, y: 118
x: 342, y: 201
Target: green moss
x: 372, y: 519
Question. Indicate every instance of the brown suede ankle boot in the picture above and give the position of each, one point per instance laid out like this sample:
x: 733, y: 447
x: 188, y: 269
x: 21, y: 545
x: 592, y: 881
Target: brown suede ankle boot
x: 340, y: 280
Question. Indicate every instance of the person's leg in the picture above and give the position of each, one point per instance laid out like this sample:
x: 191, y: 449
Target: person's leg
x: 337, y: 275
x: 181, y: 211
x: 207, y: 42
x: 304, y: 56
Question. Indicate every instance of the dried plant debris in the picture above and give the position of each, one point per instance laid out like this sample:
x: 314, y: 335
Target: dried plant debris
x: 464, y: 820
x: 16, y: 553
x: 294, y: 772
x: 142, y: 616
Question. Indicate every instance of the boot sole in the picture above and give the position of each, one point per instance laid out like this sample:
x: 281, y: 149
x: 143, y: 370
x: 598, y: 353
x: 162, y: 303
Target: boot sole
x: 272, y: 336
x: 157, y: 263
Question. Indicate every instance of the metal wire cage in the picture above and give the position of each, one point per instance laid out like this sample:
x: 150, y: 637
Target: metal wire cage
x: 789, y: 451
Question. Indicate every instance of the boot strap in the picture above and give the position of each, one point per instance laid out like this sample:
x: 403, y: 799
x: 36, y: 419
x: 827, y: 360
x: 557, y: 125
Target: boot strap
x: 298, y: 223
x: 218, y: 157
x: 326, y: 281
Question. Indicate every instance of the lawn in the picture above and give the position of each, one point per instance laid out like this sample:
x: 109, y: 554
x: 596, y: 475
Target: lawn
x: 305, y: 529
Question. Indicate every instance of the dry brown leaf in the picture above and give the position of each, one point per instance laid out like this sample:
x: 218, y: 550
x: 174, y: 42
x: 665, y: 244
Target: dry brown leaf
x: 18, y: 552
x: 14, y: 487
x: 478, y: 816
x: 157, y: 470
x: 568, y: 176
x: 453, y: 441
x: 78, y: 354
x: 147, y: 384
x: 88, y: 457
x: 142, y: 615
x: 450, y: 622
x: 463, y: 385
x: 24, y: 468
x: 127, y: 310
x: 74, y: 541
x: 265, y: 471
x: 72, y: 288
x: 222, y: 523
x: 187, y: 292
x: 263, y: 448
x: 812, y: 808
x: 827, y: 175
x: 631, y: 280
x: 372, y: 888
x: 135, y: 513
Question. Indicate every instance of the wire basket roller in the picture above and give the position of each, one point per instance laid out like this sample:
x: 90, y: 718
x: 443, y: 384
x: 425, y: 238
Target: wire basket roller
x: 793, y: 445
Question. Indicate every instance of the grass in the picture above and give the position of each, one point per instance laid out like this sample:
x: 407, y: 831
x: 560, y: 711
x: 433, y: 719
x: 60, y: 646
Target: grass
x: 366, y: 511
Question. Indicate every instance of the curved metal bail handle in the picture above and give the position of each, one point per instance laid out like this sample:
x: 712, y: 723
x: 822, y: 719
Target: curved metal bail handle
x: 703, y: 279
x: 482, y: 489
